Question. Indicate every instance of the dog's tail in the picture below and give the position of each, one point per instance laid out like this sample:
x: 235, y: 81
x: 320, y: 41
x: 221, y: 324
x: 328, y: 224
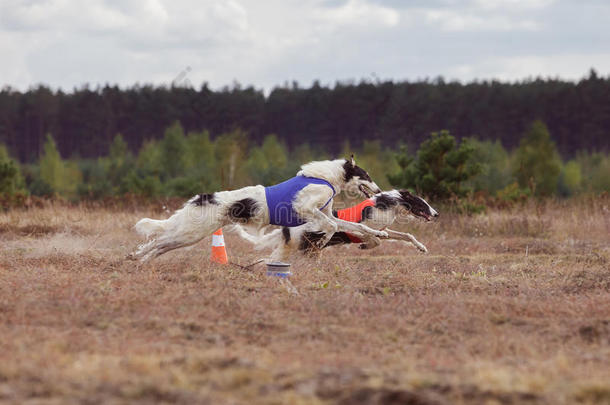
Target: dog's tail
x: 150, y: 227
x: 260, y: 241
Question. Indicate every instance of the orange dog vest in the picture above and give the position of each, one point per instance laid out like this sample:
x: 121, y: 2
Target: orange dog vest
x: 354, y: 214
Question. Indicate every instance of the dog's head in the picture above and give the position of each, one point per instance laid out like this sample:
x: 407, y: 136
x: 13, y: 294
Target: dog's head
x: 356, y: 178
x: 417, y: 206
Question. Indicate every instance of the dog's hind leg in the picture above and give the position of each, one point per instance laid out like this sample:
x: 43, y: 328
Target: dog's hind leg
x: 280, y: 253
x: 186, y: 227
x: 154, y: 248
x: 161, y: 247
x: 171, y: 239
x: 370, y: 242
x: 408, y: 238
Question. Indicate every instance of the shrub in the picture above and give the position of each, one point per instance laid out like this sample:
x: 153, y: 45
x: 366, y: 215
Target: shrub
x: 440, y: 168
x: 537, y: 164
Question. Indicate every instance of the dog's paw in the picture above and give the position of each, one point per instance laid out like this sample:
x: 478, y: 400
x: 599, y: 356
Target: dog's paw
x: 382, y: 234
x: 370, y: 245
x: 422, y: 248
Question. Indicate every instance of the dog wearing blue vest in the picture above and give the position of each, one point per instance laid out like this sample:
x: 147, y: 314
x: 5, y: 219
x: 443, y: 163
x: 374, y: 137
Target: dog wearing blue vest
x: 306, y: 198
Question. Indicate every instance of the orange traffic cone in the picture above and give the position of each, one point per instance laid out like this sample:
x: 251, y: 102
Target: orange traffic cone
x: 219, y: 253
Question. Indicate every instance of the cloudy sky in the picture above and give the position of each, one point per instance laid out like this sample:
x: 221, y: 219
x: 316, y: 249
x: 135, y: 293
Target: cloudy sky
x: 66, y: 43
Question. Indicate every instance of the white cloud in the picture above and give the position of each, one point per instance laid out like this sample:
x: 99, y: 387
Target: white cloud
x: 69, y: 42
x: 359, y: 13
x: 513, y: 4
x: 14, y: 69
x: 60, y: 15
x: 151, y: 20
x: 572, y: 66
x: 449, y: 20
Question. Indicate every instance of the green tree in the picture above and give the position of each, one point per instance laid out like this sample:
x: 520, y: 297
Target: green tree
x: 377, y: 161
x: 496, y: 172
x: 537, y: 162
x: 268, y: 164
x: 595, y: 170
x: 11, y: 180
x: 275, y: 152
x: 95, y: 182
x: 230, y: 150
x: 200, y: 151
x: 62, y: 177
x: 149, y: 158
x: 173, y: 152
x: 600, y: 178
x: 300, y: 155
x: 146, y: 185
x: 51, y: 166
x: 200, y: 175
x: 119, y: 164
x: 440, y: 168
x: 570, y: 180
x: 257, y: 164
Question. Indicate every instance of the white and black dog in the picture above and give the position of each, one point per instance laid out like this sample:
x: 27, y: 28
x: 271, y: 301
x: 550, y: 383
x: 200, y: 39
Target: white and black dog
x: 306, y: 198
x: 378, y: 212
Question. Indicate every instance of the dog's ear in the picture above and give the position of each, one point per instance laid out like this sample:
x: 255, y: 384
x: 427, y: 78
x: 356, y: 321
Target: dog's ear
x: 353, y: 160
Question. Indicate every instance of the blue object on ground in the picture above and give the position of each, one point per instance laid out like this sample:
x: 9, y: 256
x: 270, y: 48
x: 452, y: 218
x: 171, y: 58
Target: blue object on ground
x: 278, y: 269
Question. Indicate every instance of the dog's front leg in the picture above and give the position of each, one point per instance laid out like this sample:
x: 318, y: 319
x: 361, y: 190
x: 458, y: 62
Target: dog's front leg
x: 347, y: 226
x: 326, y: 225
x: 406, y: 237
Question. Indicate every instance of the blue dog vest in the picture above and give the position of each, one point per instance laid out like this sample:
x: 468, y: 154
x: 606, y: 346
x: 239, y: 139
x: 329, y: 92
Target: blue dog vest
x: 281, y: 196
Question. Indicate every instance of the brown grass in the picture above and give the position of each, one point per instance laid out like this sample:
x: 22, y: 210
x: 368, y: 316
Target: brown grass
x: 508, y: 307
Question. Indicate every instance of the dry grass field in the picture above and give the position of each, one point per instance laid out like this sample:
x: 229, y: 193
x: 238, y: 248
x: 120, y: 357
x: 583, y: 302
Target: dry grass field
x: 511, y: 306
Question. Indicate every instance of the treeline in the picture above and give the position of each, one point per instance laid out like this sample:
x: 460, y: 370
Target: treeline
x: 186, y: 163
x: 85, y: 121
x: 179, y: 164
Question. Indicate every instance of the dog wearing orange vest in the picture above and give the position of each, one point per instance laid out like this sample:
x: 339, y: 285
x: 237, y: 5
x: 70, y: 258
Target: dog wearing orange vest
x: 377, y: 212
